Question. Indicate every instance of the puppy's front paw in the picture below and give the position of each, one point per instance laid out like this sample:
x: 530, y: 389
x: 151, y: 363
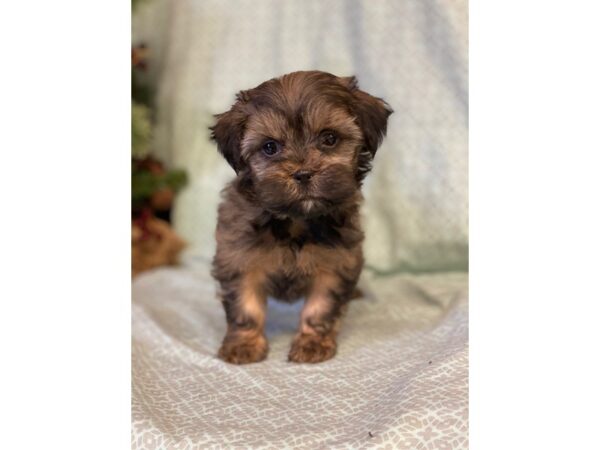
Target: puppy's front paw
x: 243, y: 350
x: 308, y: 348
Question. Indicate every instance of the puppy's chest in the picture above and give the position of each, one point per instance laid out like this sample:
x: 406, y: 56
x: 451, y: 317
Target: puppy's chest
x: 296, y: 234
x: 298, y: 247
x: 301, y: 247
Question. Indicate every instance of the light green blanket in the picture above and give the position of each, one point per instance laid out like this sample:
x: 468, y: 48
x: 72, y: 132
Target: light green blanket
x: 412, y: 53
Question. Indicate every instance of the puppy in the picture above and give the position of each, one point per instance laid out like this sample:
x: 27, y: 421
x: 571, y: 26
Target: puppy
x: 288, y: 225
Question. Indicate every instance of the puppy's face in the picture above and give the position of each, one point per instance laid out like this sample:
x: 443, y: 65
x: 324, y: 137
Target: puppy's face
x: 303, y: 141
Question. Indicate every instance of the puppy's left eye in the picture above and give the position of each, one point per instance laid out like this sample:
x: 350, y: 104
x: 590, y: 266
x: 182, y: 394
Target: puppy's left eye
x: 328, y: 139
x: 271, y: 148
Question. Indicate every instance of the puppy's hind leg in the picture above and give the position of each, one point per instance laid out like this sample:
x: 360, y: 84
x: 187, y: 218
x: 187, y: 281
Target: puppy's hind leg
x: 245, y: 305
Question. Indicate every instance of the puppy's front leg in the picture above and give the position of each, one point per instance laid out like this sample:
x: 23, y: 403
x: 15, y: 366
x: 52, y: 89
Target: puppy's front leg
x: 245, y: 304
x: 319, y: 322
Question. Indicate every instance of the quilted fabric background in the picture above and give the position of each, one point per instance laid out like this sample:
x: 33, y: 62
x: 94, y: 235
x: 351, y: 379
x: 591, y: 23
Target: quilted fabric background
x: 413, y: 53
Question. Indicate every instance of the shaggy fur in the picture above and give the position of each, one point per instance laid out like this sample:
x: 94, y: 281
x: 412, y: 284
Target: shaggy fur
x: 288, y: 225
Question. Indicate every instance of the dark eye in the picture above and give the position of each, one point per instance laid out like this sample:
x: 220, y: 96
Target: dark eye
x: 270, y: 148
x: 328, y: 139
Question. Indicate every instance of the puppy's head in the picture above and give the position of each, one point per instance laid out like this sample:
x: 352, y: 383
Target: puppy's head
x: 303, y: 142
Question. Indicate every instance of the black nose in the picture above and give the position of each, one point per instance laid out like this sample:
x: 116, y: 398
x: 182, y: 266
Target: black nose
x: 302, y: 176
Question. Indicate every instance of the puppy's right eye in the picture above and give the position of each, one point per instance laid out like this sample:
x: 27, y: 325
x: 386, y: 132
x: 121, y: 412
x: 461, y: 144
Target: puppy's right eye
x: 328, y: 139
x: 271, y: 148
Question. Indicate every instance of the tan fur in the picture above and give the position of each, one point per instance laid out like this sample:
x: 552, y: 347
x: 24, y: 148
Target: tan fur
x: 318, y: 304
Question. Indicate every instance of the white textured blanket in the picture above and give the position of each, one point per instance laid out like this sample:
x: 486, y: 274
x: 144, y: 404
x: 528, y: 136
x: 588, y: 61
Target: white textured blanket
x: 399, y: 380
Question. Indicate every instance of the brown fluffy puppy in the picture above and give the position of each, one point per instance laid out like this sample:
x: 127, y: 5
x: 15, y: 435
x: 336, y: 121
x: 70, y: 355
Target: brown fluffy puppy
x: 288, y: 225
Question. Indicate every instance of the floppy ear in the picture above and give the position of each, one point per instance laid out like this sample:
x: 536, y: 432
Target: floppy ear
x: 228, y: 131
x: 372, y: 114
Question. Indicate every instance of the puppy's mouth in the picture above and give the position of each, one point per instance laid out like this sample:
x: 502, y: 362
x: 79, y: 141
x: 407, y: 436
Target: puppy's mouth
x: 312, y: 204
x: 307, y: 206
x: 305, y: 200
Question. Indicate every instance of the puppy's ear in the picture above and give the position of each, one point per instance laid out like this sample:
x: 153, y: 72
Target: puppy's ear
x: 228, y: 131
x: 371, y: 113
